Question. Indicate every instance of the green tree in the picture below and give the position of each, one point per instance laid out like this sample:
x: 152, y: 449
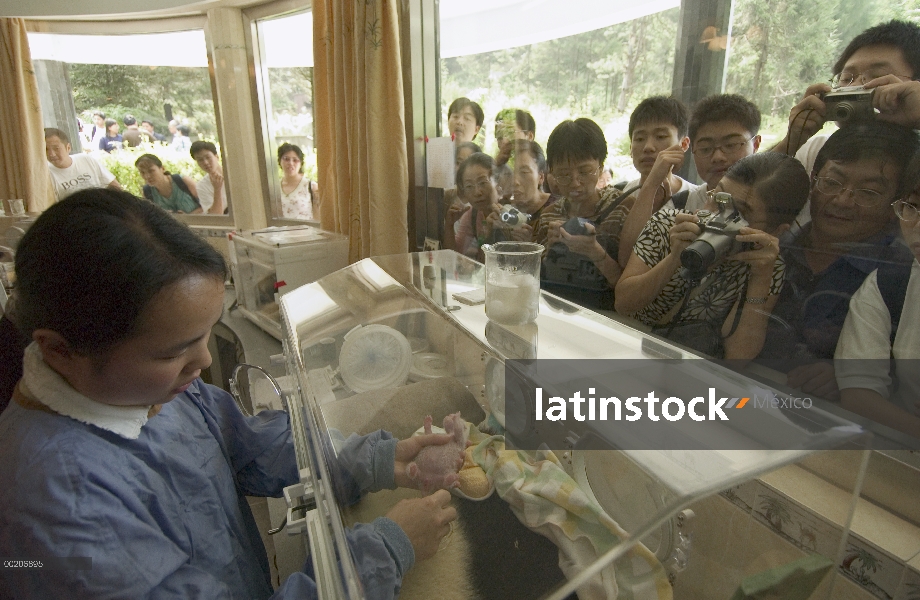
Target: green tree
x: 143, y: 91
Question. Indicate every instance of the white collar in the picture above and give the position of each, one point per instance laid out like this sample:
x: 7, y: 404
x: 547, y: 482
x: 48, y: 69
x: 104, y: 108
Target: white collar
x: 47, y: 386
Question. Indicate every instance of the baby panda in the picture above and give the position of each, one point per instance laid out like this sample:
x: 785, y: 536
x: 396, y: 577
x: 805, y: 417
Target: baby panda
x: 436, y: 467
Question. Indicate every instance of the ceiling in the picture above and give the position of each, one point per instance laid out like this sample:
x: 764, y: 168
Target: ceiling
x: 112, y: 9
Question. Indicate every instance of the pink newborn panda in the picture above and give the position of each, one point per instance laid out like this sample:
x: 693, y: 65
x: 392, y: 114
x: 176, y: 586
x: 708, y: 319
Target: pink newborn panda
x: 436, y: 467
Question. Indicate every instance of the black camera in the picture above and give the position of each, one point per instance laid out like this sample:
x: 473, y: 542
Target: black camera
x: 512, y: 217
x: 849, y: 104
x: 716, y: 240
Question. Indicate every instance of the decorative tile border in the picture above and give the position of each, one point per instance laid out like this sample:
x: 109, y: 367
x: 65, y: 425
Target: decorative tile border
x: 910, y: 585
x: 876, y: 571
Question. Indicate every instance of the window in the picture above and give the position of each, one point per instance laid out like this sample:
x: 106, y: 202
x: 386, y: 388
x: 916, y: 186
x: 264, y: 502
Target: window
x: 557, y: 61
x: 285, y: 47
x: 131, y: 95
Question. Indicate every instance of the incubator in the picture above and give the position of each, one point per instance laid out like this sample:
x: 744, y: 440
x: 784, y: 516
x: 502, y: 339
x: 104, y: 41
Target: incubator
x: 268, y: 263
x: 384, y: 343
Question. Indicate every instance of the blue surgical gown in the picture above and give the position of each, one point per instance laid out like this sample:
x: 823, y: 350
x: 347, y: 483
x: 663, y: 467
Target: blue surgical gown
x: 165, y: 515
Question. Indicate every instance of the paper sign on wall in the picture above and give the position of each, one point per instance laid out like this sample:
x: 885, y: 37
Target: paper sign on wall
x: 441, y: 159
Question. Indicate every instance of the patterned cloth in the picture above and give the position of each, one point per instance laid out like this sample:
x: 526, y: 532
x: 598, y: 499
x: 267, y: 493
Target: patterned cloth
x: 721, y: 287
x: 608, y: 231
x: 545, y: 499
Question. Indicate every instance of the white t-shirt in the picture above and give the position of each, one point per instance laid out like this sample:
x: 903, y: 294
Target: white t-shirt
x: 206, y: 193
x: 807, y: 155
x: 85, y: 172
x: 866, y: 335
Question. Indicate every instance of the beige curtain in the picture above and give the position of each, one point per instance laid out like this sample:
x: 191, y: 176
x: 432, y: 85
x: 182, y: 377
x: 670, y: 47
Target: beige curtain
x: 360, y: 124
x: 23, y: 168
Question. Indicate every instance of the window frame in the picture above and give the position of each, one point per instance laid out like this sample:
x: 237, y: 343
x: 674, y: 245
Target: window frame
x: 147, y: 26
x: 262, y: 109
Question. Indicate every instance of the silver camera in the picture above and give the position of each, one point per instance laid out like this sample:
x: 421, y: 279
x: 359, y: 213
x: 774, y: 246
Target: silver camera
x: 849, y: 104
x: 512, y: 217
x: 716, y: 240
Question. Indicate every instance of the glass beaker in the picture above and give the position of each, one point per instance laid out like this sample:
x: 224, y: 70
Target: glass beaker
x: 513, y: 282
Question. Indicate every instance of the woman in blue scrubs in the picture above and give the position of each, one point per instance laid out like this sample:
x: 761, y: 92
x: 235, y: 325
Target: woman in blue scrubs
x: 114, y: 449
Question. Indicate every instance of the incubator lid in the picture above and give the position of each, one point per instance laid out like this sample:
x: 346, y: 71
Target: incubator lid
x: 379, y: 310
x: 288, y: 235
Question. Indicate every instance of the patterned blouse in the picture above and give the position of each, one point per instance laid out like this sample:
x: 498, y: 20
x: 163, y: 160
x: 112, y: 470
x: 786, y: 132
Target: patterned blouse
x: 608, y: 231
x: 720, y: 288
x: 299, y: 203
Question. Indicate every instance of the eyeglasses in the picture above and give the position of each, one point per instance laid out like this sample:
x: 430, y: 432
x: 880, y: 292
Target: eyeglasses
x: 482, y: 185
x: 861, y: 196
x: 905, y: 210
x: 728, y: 148
x: 581, y: 176
x: 846, y: 78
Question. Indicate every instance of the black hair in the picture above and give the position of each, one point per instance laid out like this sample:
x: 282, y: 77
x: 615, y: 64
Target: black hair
x: 468, y: 146
x: 129, y: 120
x: 892, y: 143
x: 460, y: 103
x: 725, y: 107
x: 779, y: 180
x: 285, y: 148
x: 660, y: 109
x: 534, y: 150
x: 525, y: 121
x: 480, y: 159
x: 148, y: 158
x: 903, y: 35
x: 90, y: 265
x: 202, y: 145
x: 148, y: 122
x: 99, y: 114
x: 183, y: 129
x: 58, y: 133
x: 581, y: 139
x: 109, y: 123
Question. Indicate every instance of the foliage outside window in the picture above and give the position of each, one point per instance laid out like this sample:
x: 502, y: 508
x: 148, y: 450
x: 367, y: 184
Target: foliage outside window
x: 776, y: 50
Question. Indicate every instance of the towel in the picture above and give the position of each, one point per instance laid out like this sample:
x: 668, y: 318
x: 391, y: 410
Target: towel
x: 547, y: 500
x: 44, y: 384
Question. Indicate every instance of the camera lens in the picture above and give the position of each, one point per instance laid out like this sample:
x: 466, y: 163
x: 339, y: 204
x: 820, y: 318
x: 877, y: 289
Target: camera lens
x: 697, y: 257
x: 843, y: 112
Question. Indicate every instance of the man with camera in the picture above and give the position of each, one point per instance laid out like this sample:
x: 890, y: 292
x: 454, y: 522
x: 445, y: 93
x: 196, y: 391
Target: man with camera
x: 858, y: 172
x: 888, y: 53
x: 581, y: 231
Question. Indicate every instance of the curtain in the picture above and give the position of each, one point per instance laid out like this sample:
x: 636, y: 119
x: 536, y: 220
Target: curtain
x: 23, y: 167
x: 362, y: 158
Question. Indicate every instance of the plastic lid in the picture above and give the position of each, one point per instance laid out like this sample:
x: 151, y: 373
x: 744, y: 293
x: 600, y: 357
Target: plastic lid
x: 428, y: 365
x: 374, y: 357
